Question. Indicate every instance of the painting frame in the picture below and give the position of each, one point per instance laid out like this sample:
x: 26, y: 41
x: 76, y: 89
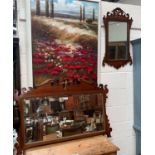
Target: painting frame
x: 79, y: 61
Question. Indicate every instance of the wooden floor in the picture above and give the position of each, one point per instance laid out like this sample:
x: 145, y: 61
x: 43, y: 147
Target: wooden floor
x: 98, y: 145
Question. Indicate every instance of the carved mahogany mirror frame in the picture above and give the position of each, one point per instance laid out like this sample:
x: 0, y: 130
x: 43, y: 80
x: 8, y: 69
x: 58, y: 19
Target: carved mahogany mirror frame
x: 117, y: 16
x: 67, y: 88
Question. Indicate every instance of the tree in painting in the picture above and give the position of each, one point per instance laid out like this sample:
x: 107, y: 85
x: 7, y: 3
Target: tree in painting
x: 47, y: 8
x: 93, y: 15
x: 83, y: 13
x: 80, y: 13
x: 52, y: 9
x: 38, y: 7
x: 64, y: 40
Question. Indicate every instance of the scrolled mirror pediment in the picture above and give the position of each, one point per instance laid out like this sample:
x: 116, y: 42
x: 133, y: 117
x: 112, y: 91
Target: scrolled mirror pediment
x: 117, y: 37
x: 118, y: 12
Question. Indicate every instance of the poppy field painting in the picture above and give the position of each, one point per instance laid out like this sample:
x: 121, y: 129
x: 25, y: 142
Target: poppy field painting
x: 64, y: 40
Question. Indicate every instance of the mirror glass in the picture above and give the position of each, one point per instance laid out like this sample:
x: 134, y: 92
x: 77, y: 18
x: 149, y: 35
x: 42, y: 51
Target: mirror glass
x: 117, y: 40
x: 51, y: 118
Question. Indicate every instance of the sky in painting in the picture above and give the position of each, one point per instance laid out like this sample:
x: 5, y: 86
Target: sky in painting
x: 70, y: 6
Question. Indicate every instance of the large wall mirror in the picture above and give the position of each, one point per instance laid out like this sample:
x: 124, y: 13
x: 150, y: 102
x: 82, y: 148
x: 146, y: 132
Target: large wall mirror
x: 117, y: 38
x: 62, y: 111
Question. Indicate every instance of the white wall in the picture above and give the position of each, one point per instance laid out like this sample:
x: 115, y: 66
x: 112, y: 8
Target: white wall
x: 134, y: 2
x: 120, y: 82
x: 24, y: 34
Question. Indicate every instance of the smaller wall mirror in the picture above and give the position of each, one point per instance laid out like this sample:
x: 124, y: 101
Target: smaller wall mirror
x: 117, y: 37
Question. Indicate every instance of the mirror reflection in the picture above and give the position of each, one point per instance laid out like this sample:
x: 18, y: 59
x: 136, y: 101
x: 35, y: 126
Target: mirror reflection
x: 50, y: 118
x: 117, y: 40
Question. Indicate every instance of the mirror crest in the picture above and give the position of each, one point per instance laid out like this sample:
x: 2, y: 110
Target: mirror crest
x: 117, y: 38
x: 118, y: 13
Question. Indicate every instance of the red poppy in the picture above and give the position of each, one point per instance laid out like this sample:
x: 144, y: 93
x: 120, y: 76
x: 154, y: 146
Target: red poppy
x: 89, y: 70
x: 38, y: 61
x: 49, y: 65
x: 85, y: 77
x: 54, y: 73
x: 76, y: 76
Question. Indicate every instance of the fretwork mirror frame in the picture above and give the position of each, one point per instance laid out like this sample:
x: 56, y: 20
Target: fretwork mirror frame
x: 32, y: 133
x: 118, y: 17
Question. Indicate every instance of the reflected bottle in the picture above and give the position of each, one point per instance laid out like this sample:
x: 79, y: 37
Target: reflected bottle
x: 38, y: 129
x: 27, y: 106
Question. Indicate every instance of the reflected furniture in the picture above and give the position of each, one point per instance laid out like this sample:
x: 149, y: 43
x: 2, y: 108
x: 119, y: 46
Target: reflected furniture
x: 117, y: 38
x: 61, y: 111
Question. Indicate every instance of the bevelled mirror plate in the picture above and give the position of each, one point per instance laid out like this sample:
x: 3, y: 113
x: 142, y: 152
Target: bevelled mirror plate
x: 51, y: 118
x: 117, y: 41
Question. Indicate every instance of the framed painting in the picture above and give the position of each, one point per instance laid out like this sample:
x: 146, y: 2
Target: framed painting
x: 64, y: 40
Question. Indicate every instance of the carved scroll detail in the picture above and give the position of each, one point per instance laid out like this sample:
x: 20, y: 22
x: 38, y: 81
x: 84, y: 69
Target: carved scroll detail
x: 118, y: 12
